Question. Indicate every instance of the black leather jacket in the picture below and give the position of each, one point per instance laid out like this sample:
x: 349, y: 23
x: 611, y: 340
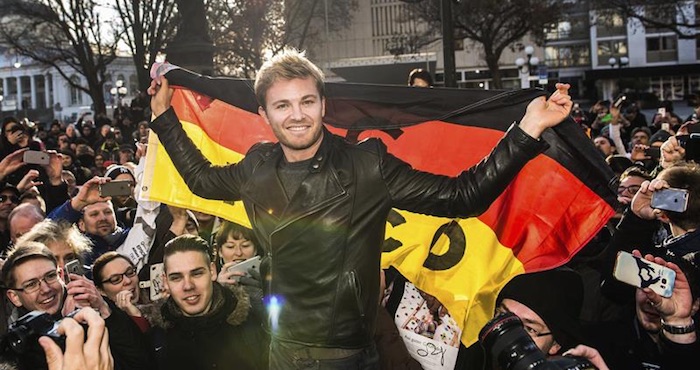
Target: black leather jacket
x: 324, y: 247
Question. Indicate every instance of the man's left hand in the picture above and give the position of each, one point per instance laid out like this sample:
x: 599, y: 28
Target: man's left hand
x: 542, y: 114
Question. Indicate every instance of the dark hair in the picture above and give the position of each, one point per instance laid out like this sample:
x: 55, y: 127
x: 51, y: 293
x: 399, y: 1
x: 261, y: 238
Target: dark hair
x: 100, y: 264
x: 685, y: 176
x: 238, y: 231
x: 21, y: 253
x: 420, y: 73
x: 637, y: 171
x: 186, y: 243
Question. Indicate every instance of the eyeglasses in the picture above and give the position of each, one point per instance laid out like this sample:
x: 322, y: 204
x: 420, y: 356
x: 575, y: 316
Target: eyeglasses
x: 117, y: 278
x: 632, y: 189
x: 11, y: 198
x: 33, y: 285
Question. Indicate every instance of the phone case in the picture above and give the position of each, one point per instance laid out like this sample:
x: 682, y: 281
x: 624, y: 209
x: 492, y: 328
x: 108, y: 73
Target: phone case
x: 253, y: 262
x: 157, y: 285
x: 75, y: 267
x: 644, y: 274
x: 115, y: 188
x: 36, y: 157
x: 675, y: 200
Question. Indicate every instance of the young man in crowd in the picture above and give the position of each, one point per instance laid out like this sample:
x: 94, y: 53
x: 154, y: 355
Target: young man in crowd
x: 206, y: 325
x: 32, y: 282
x: 313, y: 193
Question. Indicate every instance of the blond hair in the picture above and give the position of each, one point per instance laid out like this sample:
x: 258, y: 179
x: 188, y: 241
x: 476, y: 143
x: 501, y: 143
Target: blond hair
x: 287, y: 65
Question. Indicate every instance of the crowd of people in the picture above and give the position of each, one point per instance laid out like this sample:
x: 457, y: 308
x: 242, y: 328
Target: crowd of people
x: 153, y: 287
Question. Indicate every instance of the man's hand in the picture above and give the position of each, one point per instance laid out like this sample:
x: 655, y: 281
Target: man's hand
x: 89, y: 193
x: 92, y: 353
x: 589, y: 353
x: 542, y: 114
x: 54, y: 170
x: 161, y: 95
x: 641, y: 203
x: 84, y: 294
x: 28, y: 181
x: 671, y: 152
x: 12, y: 163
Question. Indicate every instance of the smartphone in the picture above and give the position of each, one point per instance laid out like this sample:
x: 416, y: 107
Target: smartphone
x: 157, y: 284
x: 641, y: 273
x: 654, y: 152
x: 692, y: 147
x: 36, y: 157
x: 675, y: 200
x: 666, y: 127
x: 73, y: 267
x: 661, y: 111
x: 252, y: 262
x: 619, y: 101
x: 115, y: 188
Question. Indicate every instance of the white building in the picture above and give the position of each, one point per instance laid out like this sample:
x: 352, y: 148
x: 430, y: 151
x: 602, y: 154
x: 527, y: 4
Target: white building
x: 41, y: 94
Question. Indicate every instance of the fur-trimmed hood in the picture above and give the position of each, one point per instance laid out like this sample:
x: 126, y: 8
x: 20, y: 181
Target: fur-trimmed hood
x: 163, y: 313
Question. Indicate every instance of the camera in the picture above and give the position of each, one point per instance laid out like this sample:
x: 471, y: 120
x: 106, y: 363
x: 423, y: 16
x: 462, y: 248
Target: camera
x: 510, y: 347
x: 25, y: 332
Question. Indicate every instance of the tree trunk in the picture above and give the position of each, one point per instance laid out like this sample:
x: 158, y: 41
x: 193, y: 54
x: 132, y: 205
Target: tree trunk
x: 494, y: 68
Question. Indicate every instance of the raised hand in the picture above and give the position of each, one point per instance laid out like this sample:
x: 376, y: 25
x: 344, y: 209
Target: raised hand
x: 89, y: 193
x: 12, y: 163
x: 161, y: 95
x: 543, y: 113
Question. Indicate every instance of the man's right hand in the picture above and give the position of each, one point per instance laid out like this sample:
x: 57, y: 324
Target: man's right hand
x: 12, y: 163
x: 161, y: 95
x: 89, y: 193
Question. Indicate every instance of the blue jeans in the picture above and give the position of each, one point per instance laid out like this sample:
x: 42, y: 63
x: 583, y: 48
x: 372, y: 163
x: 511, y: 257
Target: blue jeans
x: 290, y: 356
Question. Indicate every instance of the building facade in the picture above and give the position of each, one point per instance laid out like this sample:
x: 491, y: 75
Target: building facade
x: 41, y: 94
x: 654, y: 64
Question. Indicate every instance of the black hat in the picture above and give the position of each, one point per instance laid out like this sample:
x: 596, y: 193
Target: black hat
x: 114, y: 171
x: 11, y: 188
x: 556, y: 296
x: 661, y: 135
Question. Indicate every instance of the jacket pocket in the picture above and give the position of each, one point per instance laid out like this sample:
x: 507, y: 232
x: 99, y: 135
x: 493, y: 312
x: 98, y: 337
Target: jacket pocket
x: 356, y: 291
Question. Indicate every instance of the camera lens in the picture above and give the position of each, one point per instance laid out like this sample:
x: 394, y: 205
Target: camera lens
x: 512, y: 348
x: 509, y: 344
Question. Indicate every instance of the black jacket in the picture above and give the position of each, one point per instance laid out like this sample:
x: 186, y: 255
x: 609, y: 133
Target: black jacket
x: 227, y: 337
x: 323, y: 246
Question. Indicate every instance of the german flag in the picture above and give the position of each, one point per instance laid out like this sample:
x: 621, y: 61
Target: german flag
x: 556, y: 204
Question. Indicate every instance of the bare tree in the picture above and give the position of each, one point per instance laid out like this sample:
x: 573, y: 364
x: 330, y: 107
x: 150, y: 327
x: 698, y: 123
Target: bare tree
x: 242, y: 31
x: 68, y: 36
x: 307, y: 21
x: 493, y: 25
x: 679, y: 16
x: 147, y: 26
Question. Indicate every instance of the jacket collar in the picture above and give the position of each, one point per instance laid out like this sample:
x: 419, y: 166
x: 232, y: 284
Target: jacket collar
x: 320, y: 187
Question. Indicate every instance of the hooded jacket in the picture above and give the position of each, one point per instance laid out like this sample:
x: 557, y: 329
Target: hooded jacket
x: 226, y: 337
x: 324, y: 244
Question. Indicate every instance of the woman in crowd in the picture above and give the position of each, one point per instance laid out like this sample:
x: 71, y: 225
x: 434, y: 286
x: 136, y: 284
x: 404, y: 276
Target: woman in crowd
x: 234, y: 244
x: 115, y: 277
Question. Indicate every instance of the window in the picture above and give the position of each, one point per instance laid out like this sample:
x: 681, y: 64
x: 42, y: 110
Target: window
x: 573, y: 27
x: 662, y: 49
x: 76, y: 96
x: 611, y: 49
x: 611, y: 24
x: 567, y: 55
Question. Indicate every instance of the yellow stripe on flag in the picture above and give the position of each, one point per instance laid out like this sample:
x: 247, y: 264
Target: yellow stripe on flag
x: 467, y: 289
x: 164, y: 184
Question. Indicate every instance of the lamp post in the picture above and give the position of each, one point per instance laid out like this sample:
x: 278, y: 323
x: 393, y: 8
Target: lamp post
x: 119, y: 91
x: 525, y: 66
x: 622, y: 62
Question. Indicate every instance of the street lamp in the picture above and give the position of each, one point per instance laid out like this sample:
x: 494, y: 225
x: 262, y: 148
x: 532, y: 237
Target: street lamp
x: 525, y: 66
x: 621, y: 63
x: 119, y: 91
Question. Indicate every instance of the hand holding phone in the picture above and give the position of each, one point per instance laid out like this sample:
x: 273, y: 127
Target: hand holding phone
x: 73, y: 267
x: 252, y: 262
x: 638, y: 272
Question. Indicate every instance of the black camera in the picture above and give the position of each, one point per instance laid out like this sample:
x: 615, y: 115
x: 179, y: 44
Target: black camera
x: 511, y: 348
x: 691, y: 144
x: 25, y: 332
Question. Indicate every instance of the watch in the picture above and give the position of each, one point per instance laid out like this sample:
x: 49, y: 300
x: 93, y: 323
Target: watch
x: 674, y: 329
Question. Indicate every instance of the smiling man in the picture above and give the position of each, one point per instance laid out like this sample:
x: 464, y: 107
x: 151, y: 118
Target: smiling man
x: 206, y: 324
x: 319, y: 205
x: 32, y: 282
